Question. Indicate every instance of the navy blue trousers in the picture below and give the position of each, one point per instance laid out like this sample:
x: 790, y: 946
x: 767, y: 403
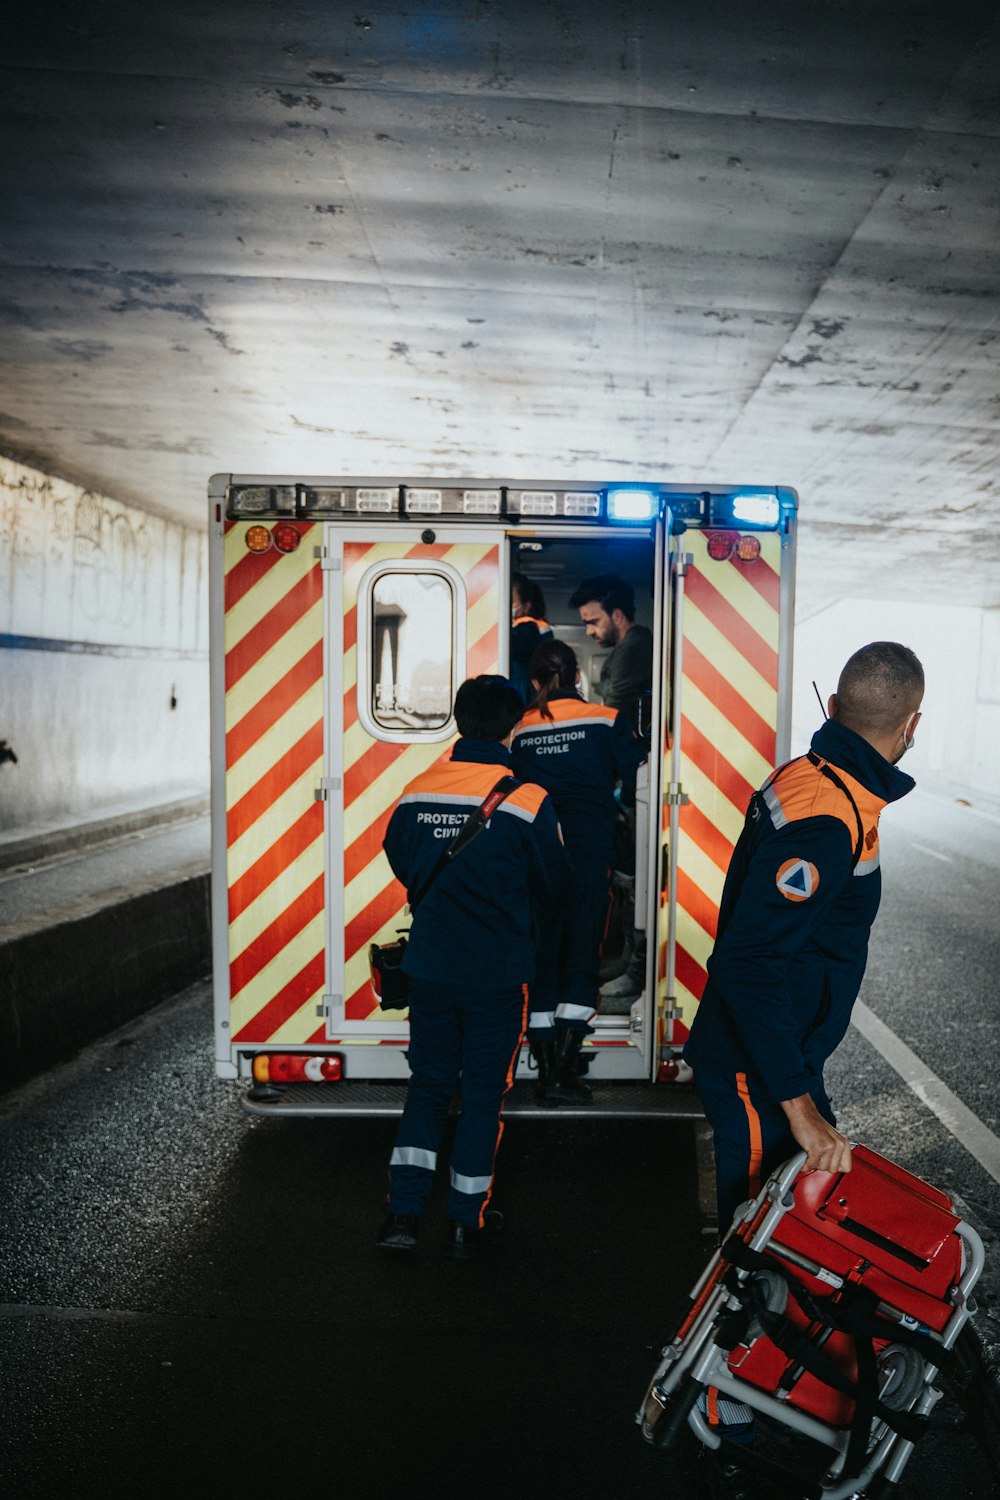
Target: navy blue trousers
x: 751, y: 1135
x: 456, y: 1033
x: 568, y: 957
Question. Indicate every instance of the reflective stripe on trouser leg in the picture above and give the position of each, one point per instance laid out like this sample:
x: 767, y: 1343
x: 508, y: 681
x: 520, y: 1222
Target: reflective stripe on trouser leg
x: 435, y: 1055
x: 541, y: 1022
x: 494, y: 1026
x: 750, y: 1135
x: 578, y: 1016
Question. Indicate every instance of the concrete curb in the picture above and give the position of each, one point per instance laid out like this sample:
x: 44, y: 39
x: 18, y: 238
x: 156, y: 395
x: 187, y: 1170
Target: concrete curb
x: 69, y: 983
x: 42, y: 844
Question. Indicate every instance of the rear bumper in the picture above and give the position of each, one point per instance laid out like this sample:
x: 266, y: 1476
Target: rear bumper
x: 639, y: 1101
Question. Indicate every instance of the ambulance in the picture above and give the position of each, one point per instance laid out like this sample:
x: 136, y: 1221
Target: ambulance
x: 345, y: 613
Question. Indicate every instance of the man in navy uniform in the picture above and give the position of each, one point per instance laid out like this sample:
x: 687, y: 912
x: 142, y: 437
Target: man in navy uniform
x: 469, y: 957
x: 801, y: 894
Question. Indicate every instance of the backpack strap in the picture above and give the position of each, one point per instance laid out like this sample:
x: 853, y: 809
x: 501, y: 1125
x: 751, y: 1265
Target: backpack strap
x: 474, y: 825
x: 826, y: 770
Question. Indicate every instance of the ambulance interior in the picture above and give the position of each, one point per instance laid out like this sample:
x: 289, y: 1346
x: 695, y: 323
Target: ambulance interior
x: 558, y: 566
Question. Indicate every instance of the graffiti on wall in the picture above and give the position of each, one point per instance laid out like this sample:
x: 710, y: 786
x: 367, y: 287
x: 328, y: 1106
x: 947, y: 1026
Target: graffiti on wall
x: 78, y: 566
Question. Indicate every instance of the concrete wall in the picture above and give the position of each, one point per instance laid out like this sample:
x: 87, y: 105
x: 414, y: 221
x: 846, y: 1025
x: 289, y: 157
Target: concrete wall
x: 960, y: 649
x: 103, y: 653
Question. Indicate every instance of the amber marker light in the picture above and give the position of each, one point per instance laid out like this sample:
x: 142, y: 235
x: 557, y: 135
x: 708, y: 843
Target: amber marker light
x: 748, y: 548
x: 258, y: 538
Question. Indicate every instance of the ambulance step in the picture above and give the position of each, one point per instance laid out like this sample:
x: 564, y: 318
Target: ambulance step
x: 672, y: 1101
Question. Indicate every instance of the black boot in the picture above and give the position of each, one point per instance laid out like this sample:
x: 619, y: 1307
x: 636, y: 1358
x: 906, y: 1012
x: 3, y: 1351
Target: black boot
x: 543, y: 1050
x: 466, y: 1240
x: 569, y: 1087
x: 398, y: 1233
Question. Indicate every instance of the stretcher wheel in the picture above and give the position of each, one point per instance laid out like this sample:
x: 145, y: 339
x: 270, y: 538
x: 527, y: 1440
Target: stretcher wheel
x: 900, y: 1376
x: 667, y: 1428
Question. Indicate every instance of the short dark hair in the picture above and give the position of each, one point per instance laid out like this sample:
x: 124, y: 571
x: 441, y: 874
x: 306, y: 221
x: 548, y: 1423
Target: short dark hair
x: 607, y: 590
x: 530, y: 594
x: 879, y: 686
x: 487, y: 708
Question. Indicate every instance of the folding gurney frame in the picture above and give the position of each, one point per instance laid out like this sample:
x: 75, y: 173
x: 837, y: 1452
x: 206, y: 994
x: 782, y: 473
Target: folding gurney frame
x: 829, y: 1308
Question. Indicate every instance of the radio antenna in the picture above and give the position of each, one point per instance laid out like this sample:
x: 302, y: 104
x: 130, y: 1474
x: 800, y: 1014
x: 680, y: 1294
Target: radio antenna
x: 819, y: 700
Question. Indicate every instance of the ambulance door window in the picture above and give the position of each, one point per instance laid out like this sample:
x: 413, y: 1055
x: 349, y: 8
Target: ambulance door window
x: 406, y: 685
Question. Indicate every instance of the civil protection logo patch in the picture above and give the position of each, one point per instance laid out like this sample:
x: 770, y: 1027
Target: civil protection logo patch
x: 797, y: 879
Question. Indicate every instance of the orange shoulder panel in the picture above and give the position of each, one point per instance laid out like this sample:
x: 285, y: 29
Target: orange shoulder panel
x: 528, y: 796
x: 800, y: 791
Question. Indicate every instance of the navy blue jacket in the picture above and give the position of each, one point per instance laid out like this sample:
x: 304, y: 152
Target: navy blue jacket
x: 795, y: 918
x: 477, y: 923
x: 577, y: 756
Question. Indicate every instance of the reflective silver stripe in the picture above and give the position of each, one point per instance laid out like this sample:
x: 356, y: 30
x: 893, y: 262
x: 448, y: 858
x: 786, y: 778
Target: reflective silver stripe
x: 471, y: 1185
x: 774, y: 807
x: 519, y: 812
x: 413, y: 1156
x: 606, y: 718
x: 454, y: 799
x: 566, y: 1012
x: 541, y: 1019
x: 867, y: 866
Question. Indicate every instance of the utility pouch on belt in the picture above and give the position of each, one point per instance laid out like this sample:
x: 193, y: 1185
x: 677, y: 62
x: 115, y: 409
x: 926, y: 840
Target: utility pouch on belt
x: 385, y: 960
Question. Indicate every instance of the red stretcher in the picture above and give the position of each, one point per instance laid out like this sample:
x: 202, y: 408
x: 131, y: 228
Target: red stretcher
x: 829, y: 1309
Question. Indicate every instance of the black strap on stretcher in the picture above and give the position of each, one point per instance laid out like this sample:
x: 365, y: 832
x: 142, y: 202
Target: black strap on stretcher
x: 854, y: 1311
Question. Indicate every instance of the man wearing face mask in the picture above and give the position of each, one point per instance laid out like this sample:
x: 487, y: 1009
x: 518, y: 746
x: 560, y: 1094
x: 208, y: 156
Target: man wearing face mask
x: 800, y: 898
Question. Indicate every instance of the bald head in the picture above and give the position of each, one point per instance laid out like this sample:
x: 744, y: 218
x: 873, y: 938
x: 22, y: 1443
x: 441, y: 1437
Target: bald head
x: 881, y: 686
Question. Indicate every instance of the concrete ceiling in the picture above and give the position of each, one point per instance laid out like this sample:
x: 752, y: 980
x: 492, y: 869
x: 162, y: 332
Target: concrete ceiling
x: 748, y: 240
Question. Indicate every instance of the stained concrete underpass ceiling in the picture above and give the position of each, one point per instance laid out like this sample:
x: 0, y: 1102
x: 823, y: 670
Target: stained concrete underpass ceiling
x: 749, y: 240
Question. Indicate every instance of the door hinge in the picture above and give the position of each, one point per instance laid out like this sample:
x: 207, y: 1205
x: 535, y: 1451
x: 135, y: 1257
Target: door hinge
x: 331, y: 1008
x: 676, y: 795
x: 330, y: 562
x: 327, y: 785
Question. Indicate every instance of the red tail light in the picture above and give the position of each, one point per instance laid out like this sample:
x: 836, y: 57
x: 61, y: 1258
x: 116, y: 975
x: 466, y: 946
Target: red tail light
x: 297, y: 1067
x: 285, y: 536
x: 722, y: 545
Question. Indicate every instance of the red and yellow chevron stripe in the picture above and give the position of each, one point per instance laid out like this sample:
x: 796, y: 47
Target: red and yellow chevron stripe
x: 375, y: 772
x: 274, y: 756
x: 729, y: 701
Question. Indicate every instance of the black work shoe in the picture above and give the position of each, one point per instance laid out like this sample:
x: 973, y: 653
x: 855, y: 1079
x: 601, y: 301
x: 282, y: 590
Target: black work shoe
x: 398, y: 1232
x: 569, y: 1087
x: 466, y: 1240
x: 543, y: 1052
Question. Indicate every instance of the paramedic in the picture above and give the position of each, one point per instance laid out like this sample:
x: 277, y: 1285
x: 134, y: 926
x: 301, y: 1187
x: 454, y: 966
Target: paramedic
x: 469, y: 956
x: 577, y: 751
x: 529, y: 628
x: 800, y: 897
x: 607, y: 609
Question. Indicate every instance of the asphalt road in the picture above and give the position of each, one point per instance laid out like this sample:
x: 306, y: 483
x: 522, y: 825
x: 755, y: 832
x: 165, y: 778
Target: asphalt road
x: 192, y: 1302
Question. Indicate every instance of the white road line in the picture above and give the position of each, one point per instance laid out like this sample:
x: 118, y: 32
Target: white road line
x: 967, y: 1128
x: 936, y: 853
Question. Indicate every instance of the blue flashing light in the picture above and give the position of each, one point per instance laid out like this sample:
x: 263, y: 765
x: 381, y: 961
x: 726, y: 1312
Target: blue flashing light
x: 756, y: 510
x: 632, y: 505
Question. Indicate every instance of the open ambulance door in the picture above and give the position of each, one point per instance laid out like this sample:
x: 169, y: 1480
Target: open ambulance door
x: 727, y: 660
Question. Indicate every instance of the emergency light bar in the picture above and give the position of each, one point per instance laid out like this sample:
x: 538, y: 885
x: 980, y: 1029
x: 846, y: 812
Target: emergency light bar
x: 632, y: 505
